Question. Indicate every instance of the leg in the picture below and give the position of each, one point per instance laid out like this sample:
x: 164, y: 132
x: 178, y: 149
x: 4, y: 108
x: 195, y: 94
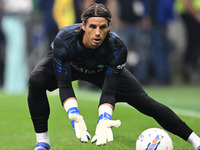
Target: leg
x: 130, y: 91
x: 37, y: 100
x: 166, y: 118
x: 162, y: 114
x: 42, y: 78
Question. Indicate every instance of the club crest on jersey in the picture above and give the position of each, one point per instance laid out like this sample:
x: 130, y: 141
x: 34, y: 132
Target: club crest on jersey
x: 121, y: 66
x: 100, y: 66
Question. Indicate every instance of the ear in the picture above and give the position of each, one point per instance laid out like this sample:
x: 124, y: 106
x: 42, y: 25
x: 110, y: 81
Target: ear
x: 83, y: 26
x: 109, y: 24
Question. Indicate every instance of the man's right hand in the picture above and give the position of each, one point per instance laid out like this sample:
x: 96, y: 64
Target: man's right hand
x: 77, y: 121
x: 80, y: 128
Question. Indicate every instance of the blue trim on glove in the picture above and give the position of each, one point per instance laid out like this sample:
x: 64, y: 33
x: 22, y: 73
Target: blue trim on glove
x: 73, y: 110
x: 105, y: 116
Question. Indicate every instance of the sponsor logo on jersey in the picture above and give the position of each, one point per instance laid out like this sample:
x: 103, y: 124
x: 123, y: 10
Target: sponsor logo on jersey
x: 85, y: 70
x: 121, y: 66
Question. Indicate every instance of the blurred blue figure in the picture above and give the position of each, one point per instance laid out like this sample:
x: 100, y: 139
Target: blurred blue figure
x: 43, y: 31
x: 49, y: 24
x: 160, y: 13
x: 78, y: 7
x: 127, y: 22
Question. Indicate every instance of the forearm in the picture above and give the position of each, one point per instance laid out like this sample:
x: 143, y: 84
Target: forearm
x: 107, y: 97
x: 65, y: 94
x: 107, y: 104
x: 189, y: 6
x: 109, y: 90
x: 191, y: 9
x: 70, y: 103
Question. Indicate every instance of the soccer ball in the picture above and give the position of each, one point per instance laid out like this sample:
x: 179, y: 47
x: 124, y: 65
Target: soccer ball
x: 154, y: 139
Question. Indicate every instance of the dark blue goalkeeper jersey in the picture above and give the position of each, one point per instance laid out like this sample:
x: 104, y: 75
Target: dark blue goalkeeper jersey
x: 70, y: 54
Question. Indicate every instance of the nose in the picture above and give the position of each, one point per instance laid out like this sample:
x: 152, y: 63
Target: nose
x: 97, y: 32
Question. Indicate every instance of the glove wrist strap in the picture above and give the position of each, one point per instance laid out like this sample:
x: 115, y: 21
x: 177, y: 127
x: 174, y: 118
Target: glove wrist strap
x: 71, y: 106
x: 73, y: 110
x: 105, y: 116
x: 105, y: 112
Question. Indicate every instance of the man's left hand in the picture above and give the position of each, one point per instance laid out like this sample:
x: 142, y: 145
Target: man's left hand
x: 104, y: 132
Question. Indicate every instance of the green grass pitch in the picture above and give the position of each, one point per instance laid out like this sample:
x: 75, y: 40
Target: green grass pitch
x: 16, y: 129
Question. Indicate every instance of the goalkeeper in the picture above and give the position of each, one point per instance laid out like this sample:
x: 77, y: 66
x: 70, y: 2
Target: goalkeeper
x: 90, y: 51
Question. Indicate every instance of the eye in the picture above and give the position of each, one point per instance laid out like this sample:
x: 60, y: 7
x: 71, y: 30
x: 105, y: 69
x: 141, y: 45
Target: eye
x: 103, y: 26
x: 92, y: 26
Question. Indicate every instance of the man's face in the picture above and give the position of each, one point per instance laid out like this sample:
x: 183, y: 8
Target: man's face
x: 96, y: 30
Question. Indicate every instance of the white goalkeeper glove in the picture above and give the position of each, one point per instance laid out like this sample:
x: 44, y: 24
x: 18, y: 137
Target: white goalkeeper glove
x: 77, y: 121
x: 103, y: 133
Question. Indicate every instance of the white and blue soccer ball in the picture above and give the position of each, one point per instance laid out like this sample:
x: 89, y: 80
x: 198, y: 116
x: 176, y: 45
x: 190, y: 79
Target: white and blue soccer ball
x: 154, y: 139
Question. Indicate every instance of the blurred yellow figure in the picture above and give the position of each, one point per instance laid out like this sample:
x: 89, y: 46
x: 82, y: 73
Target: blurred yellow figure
x: 189, y: 11
x: 183, y: 5
x: 63, y: 13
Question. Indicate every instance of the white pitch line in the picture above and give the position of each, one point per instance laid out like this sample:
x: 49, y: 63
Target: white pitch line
x: 178, y: 111
x: 187, y: 113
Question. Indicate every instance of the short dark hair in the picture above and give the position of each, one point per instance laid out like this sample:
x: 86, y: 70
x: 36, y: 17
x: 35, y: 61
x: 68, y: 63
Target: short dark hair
x: 96, y: 10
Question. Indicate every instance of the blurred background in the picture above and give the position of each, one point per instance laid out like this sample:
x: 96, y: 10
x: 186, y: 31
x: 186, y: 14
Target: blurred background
x: 162, y: 38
